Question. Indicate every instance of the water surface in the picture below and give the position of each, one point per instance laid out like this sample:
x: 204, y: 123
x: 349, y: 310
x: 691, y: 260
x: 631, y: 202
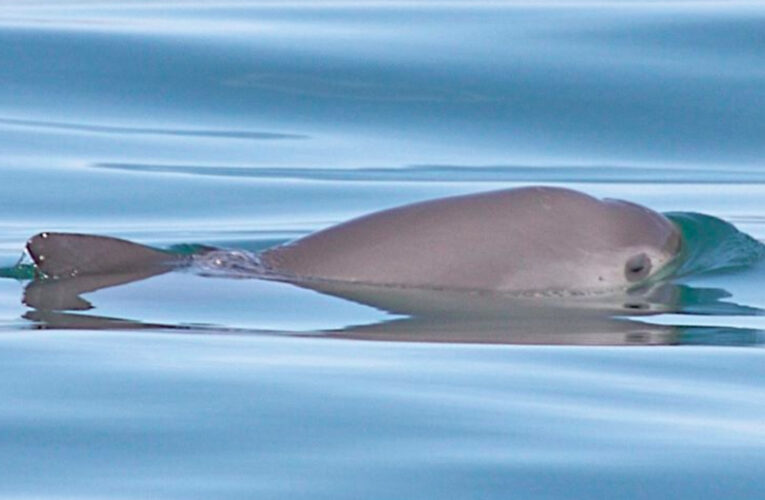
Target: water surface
x: 247, y: 124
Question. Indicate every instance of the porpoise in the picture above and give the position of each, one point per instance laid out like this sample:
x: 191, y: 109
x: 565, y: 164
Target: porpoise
x: 544, y: 240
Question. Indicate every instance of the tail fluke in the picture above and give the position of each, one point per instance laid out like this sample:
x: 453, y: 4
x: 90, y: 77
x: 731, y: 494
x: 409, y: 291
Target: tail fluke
x: 66, y: 255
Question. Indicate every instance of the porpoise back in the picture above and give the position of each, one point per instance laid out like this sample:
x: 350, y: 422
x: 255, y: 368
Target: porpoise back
x: 526, y: 239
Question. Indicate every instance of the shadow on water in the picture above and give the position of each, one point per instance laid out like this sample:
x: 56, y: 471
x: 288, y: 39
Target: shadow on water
x: 711, y: 245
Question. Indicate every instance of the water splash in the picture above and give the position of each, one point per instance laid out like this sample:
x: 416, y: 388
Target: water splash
x: 229, y: 264
x: 712, y: 244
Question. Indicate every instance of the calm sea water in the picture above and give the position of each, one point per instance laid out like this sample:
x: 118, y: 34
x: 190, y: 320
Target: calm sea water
x: 247, y: 124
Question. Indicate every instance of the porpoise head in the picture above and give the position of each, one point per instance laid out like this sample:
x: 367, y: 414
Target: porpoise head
x: 626, y: 247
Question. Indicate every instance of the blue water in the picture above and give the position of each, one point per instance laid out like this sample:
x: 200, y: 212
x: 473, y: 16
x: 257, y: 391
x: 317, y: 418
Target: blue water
x: 248, y: 124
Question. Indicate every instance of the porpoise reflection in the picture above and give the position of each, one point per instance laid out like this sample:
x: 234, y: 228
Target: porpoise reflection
x: 526, y: 265
x: 446, y: 315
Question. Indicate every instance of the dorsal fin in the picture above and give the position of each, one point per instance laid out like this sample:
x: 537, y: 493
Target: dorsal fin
x: 61, y: 255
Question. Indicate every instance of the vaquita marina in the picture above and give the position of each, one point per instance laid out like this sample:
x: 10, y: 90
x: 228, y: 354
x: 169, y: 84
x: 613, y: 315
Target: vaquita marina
x: 323, y: 249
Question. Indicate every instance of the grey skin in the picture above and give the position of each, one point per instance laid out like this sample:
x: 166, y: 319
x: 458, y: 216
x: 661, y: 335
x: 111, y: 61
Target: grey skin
x: 67, y: 255
x: 542, y: 240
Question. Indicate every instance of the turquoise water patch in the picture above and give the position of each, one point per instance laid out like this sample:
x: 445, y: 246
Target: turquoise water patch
x: 712, y: 244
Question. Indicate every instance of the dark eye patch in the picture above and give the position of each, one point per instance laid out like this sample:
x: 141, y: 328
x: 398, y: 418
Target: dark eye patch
x: 637, y: 267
